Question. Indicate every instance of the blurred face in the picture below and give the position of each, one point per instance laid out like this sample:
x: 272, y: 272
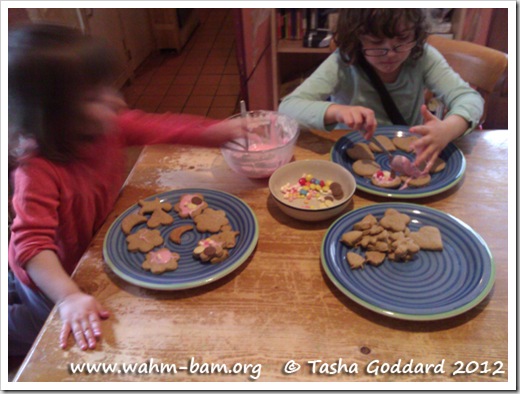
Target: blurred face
x: 100, y: 107
x: 386, y: 55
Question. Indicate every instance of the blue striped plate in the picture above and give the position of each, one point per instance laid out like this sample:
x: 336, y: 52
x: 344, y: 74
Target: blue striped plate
x: 432, y: 286
x: 191, y: 272
x: 440, y: 182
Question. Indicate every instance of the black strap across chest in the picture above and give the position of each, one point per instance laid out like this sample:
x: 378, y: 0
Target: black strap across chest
x: 388, y: 104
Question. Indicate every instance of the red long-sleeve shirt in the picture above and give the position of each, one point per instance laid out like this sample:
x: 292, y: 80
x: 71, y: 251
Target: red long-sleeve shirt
x: 60, y: 206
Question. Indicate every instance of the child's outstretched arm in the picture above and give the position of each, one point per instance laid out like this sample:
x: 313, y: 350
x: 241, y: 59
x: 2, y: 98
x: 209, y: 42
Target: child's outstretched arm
x: 436, y: 134
x: 80, y: 312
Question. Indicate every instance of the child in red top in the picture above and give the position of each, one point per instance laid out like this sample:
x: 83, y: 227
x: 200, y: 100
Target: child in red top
x: 67, y: 132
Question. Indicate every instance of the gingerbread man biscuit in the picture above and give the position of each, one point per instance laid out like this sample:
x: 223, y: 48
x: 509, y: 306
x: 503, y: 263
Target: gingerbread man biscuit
x: 158, y: 218
x: 144, y: 240
x: 151, y: 206
x: 161, y: 260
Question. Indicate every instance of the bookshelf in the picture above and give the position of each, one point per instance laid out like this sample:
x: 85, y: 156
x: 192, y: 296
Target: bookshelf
x: 291, y: 60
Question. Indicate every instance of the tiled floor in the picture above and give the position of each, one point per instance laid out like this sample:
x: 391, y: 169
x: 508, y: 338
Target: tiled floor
x: 202, y: 79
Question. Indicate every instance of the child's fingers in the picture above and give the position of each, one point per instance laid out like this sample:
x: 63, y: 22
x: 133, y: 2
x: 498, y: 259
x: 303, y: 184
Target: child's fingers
x: 77, y: 331
x: 427, y: 115
x: 88, y: 333
x: 95, y: 324
x: 64, y: 335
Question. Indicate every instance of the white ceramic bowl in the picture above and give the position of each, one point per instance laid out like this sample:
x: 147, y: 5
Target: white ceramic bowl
x: 322, y: 170
x: 271, y: 141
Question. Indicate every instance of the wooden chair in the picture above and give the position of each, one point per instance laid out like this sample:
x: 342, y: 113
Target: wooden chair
x: 480, y: 66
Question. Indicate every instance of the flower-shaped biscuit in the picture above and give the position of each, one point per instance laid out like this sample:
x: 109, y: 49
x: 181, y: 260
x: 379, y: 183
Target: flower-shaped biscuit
x: 211, y: 220
x: 210, y: 250
x: 161, y: 260
x: 144, y: 240
x: 190, y: 205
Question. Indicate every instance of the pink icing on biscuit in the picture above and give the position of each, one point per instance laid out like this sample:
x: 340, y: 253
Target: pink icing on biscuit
x: 161, y: 256
x: 187, y: 206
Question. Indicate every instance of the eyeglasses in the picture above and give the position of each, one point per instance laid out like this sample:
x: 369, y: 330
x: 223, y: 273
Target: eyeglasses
x: 376, y: 52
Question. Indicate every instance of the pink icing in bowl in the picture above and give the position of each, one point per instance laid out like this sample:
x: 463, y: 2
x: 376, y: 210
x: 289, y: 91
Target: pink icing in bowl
x: 271, y: 141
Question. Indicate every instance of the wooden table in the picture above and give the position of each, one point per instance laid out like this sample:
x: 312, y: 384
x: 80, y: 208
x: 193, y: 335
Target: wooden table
x: 280, y: 308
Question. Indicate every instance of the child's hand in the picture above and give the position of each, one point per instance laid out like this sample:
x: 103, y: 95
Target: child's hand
x: 224, y: 131
x: 355, y: 117
x: 81, y: 314
x: 435, y: 136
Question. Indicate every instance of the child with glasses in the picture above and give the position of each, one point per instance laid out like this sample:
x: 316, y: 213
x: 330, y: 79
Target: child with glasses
x: 391, y: 43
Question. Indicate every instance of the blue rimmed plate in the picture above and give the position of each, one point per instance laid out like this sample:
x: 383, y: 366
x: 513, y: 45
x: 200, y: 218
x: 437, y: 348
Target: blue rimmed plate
x: 191, y: 272
x: 440, y: 182
x: 434, y: 285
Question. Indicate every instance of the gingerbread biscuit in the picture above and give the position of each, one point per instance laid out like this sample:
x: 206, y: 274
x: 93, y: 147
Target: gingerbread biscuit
x: 190, y: 205
x: 351, y: 238
x: 158, y: 218
x: 176, y: 233
x: 161, y: 260
x: 367, y: 222
x: 385, y: 179
x: 227, y: 238
x: 360, y: 151
x: 151, y: 206
x: 208, y: 250
x: 421, y: 181
x: 144, y: 240
x: 383, y: 140
x: 404, y: 143
x: 375, y: 258
x: 403, y: 249
x: 365, y: 168
x: 355, y: 260
x: 393, y: 220
x: 438, y: 165
x: 428, y: 238
x: 211, y: 220
x: 132, y: 220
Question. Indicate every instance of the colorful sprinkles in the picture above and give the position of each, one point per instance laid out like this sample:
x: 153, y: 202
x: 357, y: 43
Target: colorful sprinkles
x: 312, y: 192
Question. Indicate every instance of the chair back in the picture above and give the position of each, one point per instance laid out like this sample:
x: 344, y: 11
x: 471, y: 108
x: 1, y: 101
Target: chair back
x: 480, y: 66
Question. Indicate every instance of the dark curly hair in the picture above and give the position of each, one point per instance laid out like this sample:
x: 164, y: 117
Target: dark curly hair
x: 379, y: 22
x: 50, y: 69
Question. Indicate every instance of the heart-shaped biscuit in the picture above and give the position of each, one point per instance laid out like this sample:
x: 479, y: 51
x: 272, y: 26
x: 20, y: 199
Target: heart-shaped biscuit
x: 360, y: 151
x: 404, y: 143
x: 428, y: 238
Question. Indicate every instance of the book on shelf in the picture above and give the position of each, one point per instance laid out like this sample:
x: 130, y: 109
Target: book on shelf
x: 298, y: 23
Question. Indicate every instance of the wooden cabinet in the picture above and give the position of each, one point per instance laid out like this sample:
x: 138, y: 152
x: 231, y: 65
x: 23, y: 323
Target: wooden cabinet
x: 128, y: 31
x: 172, y: 27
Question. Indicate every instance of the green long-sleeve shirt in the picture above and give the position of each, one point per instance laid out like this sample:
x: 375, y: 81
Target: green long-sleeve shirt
x: 336, y: 82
